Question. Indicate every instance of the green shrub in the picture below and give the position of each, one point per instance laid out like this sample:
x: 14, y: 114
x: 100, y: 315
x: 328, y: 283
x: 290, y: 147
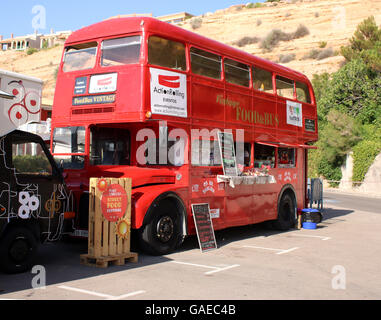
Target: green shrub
x: 245, y: 41
x: 273, y: 38
x: 196, y: 23
x: 285, y: 58
x: 322, y: 44
x: 364, y: 154
x: 325, y: 53
x: 300, y: 32
x: 30, y: 51
x: 276, y: 35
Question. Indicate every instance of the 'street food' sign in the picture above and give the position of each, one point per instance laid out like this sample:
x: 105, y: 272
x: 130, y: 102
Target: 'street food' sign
x: 114, y: 202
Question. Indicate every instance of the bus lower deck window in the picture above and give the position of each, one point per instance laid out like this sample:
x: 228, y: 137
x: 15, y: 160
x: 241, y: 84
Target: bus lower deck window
x: 109, y: 146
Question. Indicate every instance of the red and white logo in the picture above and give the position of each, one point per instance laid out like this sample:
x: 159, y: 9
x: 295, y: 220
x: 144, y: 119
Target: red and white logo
x: 169, y: 81
x: 104, y: 82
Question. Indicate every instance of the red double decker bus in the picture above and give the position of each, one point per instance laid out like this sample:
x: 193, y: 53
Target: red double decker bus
x: 140, y: 98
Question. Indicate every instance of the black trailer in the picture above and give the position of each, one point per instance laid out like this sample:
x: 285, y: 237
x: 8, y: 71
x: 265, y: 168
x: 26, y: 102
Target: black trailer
x: 34, y: 199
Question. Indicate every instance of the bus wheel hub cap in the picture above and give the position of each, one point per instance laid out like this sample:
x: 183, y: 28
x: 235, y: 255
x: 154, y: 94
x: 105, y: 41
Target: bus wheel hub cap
x: 164, y: 229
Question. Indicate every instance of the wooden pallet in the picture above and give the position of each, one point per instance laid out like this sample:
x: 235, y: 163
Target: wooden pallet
x: 105, y: 246
x: 104, y: 262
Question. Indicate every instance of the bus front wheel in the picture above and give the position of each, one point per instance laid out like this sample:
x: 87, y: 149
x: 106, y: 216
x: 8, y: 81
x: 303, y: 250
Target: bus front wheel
x: 286, y: 212
x: 161, y: 234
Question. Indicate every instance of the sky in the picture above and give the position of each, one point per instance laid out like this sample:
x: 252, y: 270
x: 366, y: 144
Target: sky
x: 22, y: 17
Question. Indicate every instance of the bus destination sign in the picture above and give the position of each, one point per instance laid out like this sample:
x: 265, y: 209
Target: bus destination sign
x: 99, y: 99
x: 204, y: 227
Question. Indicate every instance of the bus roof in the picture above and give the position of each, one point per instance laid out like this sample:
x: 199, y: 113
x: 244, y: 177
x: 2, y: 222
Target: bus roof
x: 120, y: 26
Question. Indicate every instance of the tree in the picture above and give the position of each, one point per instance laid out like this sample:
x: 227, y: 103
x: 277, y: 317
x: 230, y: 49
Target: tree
x: 365, y: 44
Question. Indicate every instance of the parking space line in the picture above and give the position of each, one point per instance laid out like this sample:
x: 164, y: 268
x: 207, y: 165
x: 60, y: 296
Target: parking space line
x: 287, y: 251
x: 216, y: 269
x: 102, y: 295
x: 280, y: 251
x: 311, y: 236
x: 222, y: 269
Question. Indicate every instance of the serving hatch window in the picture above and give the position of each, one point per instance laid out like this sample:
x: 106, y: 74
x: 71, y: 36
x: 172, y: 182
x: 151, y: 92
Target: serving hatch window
x: 166, y: 53
x: 121, y: 51
x: 286, y: 157
x: 80, y: 56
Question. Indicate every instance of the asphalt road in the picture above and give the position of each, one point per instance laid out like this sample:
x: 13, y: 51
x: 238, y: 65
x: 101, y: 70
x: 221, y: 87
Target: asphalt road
x: 353, y: 201
x: 338, y: 260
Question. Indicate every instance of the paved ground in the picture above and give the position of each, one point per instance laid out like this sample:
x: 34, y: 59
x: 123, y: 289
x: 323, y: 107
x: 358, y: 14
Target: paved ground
x: 338, y: 260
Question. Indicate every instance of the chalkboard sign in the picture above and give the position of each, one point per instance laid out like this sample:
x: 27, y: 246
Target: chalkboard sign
x: 204, y: 227
x: 228, y: 158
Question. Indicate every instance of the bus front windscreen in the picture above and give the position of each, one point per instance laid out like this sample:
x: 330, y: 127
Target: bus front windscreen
x: 69, y: 147
x: 80, y: 57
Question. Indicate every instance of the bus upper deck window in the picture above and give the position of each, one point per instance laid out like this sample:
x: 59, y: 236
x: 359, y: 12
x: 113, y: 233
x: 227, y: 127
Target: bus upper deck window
x: 120, y: 51
x: 205, y: 63
x: 302, y: 92
x: 166, y: 53
x: 80, y: 57
x: 285, y: 87
x: 262, y: 80
x: 237, y: 73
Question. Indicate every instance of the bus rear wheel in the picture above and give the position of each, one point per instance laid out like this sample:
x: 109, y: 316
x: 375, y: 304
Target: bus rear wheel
x: 162, y: 233
x: 286, y: 212
x: 18, y: 250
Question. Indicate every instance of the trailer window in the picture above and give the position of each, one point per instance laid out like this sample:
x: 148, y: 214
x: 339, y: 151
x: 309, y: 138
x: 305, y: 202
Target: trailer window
x: 166, y: 53
x: 30, y: 158
x: 262, y: 80
x: 264, y: 155
x: 80, y: 57
x: 302, y: 92
x: 205, y: 63
x: 237, y: 73
x: 286, y: 157
x: 120, y: 51
x: 285, y: 87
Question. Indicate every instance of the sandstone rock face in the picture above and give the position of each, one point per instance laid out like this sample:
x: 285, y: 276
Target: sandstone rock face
x: 330, y: 22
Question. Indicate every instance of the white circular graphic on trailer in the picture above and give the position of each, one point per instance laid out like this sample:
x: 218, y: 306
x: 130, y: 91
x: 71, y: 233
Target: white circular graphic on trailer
x: 32, y: 102
x: 17, y: 89
x: 18, y: 114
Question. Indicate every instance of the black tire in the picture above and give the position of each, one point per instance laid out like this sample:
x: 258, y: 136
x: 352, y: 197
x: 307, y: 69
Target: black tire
x: 162, y: 233
x: 18, y: 249
x: 286, y: 212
